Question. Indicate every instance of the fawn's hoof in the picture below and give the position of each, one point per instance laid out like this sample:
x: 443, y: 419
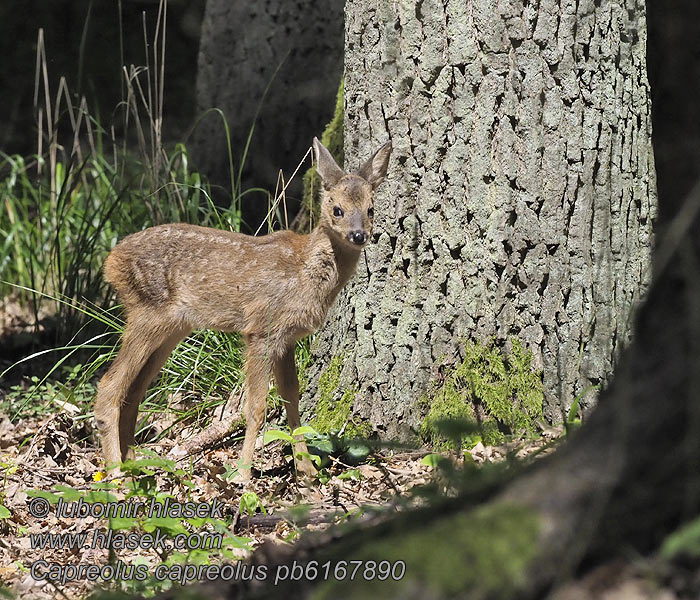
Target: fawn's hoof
x: 243, y: 477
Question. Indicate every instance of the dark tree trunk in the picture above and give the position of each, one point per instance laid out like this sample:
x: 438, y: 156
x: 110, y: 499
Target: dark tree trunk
x: 520, y: 197
x: 294, y: 47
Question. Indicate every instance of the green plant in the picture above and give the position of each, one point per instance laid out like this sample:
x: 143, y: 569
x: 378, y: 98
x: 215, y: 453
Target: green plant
x: 276, y: 434
x: 433, y: 460
x: 350, y: 474
x: 71, y: 390
x: 250, y: 503
x: 7, y: 468
x: 683, y: 542
x: 573, y: 421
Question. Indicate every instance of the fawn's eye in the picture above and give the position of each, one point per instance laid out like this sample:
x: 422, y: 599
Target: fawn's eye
x: 337, y: 211
x: 370, y: 212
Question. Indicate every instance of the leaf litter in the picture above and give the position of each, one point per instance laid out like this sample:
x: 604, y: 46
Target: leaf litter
x: 59, y: 449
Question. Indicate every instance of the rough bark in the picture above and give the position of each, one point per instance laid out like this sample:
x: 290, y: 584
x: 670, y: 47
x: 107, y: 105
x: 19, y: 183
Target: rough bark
x: 243, y: 44
x: 520, y: 197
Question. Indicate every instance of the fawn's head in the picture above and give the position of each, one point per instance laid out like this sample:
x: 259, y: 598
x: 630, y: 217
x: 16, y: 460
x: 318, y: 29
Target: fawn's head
x: 347, y: 209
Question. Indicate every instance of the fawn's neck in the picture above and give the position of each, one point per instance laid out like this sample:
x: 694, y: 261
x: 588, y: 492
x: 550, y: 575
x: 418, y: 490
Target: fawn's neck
x: 330, y: 261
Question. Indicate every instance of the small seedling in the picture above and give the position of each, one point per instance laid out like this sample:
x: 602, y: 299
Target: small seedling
x: 572, y: 419
x: 250, y: 503
x: 276, y: 434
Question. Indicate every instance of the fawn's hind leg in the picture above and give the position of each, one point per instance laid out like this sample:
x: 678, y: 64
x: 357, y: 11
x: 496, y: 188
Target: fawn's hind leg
x: 257, y: 379
x: 142, y: 337
x: 137, y: 390
x: 288, y: 385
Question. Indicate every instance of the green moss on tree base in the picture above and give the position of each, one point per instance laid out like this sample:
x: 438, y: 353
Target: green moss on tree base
x: 505, y: 390
x: 333, y: 416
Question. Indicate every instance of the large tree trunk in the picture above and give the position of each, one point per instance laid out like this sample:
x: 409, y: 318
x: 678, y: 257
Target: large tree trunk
x: 520, y: 197
x: 295, y: 48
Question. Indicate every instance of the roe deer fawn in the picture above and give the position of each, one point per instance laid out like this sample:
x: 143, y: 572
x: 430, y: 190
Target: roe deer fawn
x: 274, y: 289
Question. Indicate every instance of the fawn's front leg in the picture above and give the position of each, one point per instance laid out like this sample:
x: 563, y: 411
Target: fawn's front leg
x: 257, y: 379
x: 288, y: 385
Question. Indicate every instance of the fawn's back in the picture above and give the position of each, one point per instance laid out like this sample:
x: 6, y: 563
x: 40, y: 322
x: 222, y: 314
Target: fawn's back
x: 208, y: 278
x: 279, y: 285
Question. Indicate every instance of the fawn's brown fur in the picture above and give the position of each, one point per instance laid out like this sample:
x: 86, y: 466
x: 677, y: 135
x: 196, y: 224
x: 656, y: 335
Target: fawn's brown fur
x: 274, y: 289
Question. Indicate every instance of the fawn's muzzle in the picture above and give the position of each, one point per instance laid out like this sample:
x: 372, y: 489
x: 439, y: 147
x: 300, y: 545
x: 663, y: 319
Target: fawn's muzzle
x: 357, y: 237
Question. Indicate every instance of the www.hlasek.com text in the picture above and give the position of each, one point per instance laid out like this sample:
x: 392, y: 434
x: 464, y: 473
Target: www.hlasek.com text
x: 126, y: 540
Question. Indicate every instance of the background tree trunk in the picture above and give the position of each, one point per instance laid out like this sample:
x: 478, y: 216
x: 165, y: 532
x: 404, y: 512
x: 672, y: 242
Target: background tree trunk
x: 520, y: 197
x: 243, y: 44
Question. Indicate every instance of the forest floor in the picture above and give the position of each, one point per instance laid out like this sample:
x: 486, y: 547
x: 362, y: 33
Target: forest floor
x: 47, y: 452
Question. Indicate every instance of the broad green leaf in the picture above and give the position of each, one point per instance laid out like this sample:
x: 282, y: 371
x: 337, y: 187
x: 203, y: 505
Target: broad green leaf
x: 276, y: 434
x: 433, y: 460
x: 350, y: 474
x: 50, y: 496
x: 304, y: 430
x: 171, y: 525
x: 685, y: 541
x: 312, y: 457
x: 118, y: 523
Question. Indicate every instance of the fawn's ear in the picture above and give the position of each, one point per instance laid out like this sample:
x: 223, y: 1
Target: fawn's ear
x: 327, y: 168
x: 374, y: 170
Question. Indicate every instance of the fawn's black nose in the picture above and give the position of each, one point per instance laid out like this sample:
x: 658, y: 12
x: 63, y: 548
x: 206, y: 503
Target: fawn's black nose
x: 357, y: 237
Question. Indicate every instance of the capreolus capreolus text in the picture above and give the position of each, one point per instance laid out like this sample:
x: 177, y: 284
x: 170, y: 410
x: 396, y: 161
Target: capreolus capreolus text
x: 273, y: 289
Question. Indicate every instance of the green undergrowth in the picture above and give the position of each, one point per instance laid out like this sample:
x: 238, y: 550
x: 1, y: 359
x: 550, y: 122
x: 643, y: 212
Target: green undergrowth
x: 57, y: 228
x: 491, y: 394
